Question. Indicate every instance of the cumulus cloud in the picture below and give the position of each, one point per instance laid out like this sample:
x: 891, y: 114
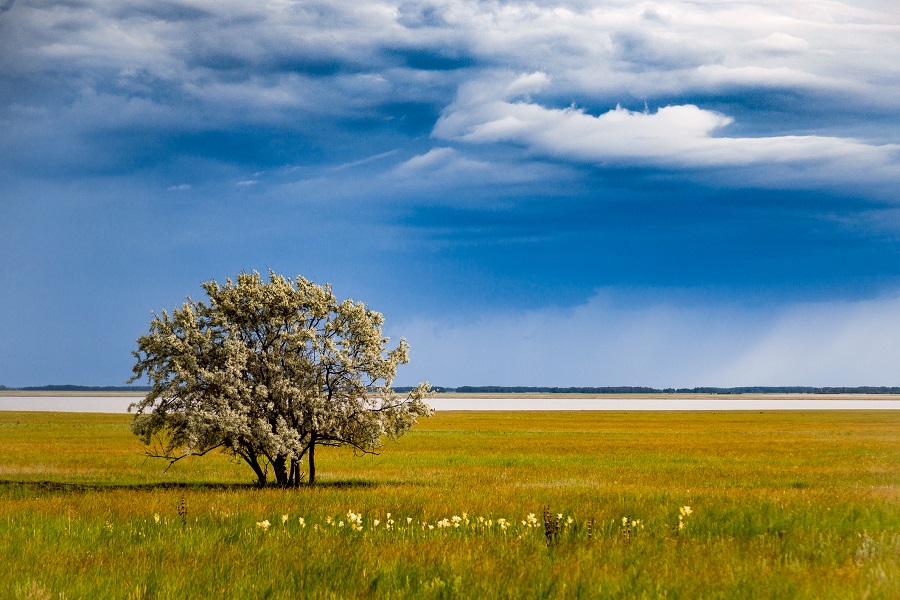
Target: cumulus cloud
x: 668, y: 342
x: 681, y: 135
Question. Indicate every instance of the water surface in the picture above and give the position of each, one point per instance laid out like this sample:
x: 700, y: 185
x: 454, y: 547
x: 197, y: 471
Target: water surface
x: 119, y: 404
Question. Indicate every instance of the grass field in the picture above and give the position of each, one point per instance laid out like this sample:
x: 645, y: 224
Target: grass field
x: 782, y: 505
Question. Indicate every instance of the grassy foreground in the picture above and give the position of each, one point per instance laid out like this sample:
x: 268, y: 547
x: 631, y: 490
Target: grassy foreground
x: 782, y: 505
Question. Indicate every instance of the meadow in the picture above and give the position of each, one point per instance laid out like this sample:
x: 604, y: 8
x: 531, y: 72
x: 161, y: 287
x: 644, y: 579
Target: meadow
x: 645, y: 504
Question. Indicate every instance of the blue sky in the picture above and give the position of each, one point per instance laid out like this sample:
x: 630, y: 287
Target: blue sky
x: 546, y: 193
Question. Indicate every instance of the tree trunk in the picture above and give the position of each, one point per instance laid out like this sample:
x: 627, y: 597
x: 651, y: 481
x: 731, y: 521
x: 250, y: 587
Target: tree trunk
x: 250, y: 459
x: 294, y: 474
x: 279, y: 465
x: 312, y: 460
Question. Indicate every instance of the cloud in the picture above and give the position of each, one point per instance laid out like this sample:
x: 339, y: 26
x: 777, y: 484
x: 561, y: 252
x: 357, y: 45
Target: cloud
x: 781, y: 43
x: 364, y: 161
x: 672, y: 136
x: 670, y: 341
x: 487, y: 177
x: 825, y: 341
x: 641, y: 52
x: 323, y: 67
x: 439, y: 160
x: 536, y: 181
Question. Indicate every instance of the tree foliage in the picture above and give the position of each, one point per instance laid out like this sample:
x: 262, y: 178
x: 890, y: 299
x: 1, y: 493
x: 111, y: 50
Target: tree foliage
x: 268, y: 370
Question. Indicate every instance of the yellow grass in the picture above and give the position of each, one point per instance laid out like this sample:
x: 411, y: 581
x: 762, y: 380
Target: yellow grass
x: 784, y: 505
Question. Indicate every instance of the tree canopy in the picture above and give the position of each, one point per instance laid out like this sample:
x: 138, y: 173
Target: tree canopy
x: 268, y: 370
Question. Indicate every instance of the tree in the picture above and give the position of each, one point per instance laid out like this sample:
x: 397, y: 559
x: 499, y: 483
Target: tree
x: 267, y: 371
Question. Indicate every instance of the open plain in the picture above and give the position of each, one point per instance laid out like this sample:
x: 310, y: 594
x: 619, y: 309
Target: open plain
x: 737, y: 504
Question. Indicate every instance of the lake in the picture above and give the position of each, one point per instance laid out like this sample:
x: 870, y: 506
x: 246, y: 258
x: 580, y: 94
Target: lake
x: 119, y: 404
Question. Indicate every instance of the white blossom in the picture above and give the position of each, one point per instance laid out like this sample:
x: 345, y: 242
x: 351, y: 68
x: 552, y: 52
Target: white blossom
x: 267, y: 370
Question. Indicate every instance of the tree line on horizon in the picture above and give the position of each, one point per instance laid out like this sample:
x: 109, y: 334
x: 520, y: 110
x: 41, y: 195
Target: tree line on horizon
x: 498, y: 389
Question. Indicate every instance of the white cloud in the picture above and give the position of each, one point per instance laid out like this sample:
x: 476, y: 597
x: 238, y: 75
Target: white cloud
x: 673, y: 342
x: 781, y: 43
x: 435, y: 156
x: 445, y: 168
x: 364, y: 161
x: 685, y: 135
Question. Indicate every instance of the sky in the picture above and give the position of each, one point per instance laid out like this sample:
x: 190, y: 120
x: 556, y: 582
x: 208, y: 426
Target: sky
x: 533, y: 193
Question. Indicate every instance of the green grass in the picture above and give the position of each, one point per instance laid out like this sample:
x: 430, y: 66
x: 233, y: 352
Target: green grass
x: 784, y: 505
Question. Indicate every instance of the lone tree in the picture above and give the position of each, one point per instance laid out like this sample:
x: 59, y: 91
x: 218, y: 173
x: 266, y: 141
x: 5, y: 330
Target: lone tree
x: 267, y: 371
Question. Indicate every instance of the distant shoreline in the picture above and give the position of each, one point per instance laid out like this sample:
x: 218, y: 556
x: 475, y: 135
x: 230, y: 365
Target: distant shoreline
x: 524, y: 396
x: 70, y: 393
x: 676, y: 396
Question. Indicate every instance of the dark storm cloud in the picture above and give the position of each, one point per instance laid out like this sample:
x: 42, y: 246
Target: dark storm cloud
x: 212, y: 67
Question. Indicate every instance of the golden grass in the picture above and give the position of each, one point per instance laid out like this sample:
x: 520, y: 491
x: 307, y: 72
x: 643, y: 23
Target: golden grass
x: 784, y: 504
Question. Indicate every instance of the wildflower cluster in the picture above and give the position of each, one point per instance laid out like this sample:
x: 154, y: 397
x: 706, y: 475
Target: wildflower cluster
x: 354, y: 520
x: 554, y: 526
x: 463, y: 522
